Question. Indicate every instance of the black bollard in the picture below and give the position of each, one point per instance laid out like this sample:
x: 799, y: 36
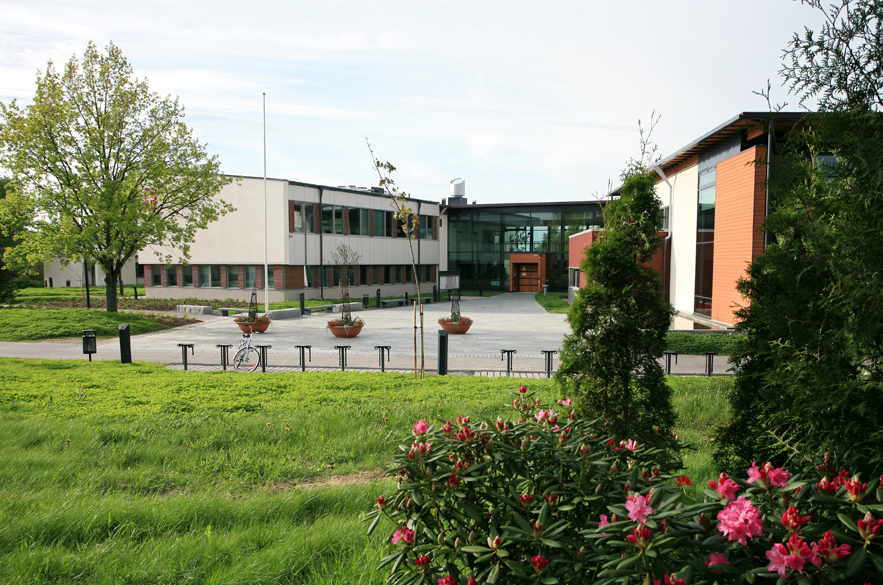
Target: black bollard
x: 125, y: 344
x: 135, y: 288
x: 442, y: 353
x: 122, y: 291
x: 709, y: 362
x: 378, y: 298
x: 303, y: 309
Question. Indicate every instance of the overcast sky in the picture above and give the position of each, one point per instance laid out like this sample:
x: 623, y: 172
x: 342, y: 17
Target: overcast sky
x: 527, y: 101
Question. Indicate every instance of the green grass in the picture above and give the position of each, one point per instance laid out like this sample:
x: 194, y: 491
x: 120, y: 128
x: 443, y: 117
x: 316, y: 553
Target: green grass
x: 37, y: 324
x: 553, y: 302
x: 114, y: 473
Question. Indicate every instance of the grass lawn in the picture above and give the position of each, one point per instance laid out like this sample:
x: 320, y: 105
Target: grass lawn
x: 136, y: 474
x: 37, y: 324
x: 553, y: 302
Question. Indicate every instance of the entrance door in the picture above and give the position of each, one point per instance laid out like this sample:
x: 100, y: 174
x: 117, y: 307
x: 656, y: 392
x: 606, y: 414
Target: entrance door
x: 529, y: 277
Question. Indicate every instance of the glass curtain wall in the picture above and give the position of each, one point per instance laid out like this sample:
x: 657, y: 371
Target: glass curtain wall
x: 705, y: 241
x: 481, y: 240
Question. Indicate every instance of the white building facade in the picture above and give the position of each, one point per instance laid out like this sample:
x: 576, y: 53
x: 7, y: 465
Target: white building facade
x: 305, y: 224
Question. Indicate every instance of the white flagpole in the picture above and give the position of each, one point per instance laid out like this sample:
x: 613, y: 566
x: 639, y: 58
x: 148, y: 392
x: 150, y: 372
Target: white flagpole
x: 266, y: 276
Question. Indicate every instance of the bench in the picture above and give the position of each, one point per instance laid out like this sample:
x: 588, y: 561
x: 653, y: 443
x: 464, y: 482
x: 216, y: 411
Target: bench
x: 320, y: 308
x: 276, y: 314
x: 226, y: 310
x: 398, y: 302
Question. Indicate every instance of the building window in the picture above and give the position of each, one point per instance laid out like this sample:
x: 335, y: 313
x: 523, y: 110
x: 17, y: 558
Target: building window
x: 250, y: 274
x: 232, y: 276
x: 188, y: 275
x: 271, y: 277
x: 209, y: 275
x: 327, y: 219
x: 399, y: 279
x: 377, y: 275
x: 665, y: 219
x: 355, y: 219
x: 387, y: 275
x: 172, y: 276
x: 409, y: 274
x: 309, y: 218
x: 156, y: 275
x: 363, y: 275
x: 298, y: 219
x: 366, y: 223
x: 705, y: 242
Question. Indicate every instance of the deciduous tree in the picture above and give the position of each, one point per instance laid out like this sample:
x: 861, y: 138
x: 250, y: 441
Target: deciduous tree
x: 105, y: 168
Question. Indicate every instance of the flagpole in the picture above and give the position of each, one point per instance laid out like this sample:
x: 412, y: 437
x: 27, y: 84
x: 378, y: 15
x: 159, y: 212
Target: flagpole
x: 266, y: 267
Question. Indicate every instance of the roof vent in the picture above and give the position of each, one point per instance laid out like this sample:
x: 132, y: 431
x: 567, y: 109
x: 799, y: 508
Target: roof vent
x: 458, y: 188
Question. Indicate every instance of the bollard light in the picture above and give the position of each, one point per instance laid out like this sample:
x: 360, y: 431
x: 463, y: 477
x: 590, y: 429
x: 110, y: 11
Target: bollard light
x: 90, y: 342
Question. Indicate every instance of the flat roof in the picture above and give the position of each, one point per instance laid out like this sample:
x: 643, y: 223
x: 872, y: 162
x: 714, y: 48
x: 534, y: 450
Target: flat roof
x: 365, y: 191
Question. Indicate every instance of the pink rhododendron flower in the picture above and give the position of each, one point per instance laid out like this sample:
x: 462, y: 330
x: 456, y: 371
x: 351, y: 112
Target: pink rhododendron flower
x: 422, y: 561
x: 471, y: 581
x: 420, y: 427
x: 522, y: 389
x: 792, y: 520
x: 447, y: 428
x: 828, y: 551
x: 404, y: 534
x: 604, y: 522
x: 669, y: 580
x: 716, y: 559
x: 638, y: 509
x: 725, y: 486
x: 768, y: 475
x: 793, y: 557
x: 868, y: 528
x: 740, y: 520
x: 566, y: 401
x: 526, y: 499
x: 381, y: 502
x: 640, y: 536
x: 631, y: 445
x: 539, y: 563
x: 856, y: 490
x: 447, y: 580
x: 683, y: 480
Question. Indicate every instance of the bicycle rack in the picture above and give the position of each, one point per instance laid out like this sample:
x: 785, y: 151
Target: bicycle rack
x: 382, y: 361
x: 548, y: 353
x: 508, y: 353
x: 263, y: 349
x: 709, y: 361
x: 225, y: 354
x: 341, y: 349
x: 668, y: 355
x: 184, y: 347
x: 301, y: 348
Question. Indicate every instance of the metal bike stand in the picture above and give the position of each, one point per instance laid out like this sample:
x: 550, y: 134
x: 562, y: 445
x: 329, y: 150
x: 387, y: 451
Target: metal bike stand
x: 548, y: 353
x: 263, y: 349
x: 225, y: 354
x: 668, y: 355
x: 709, y: 361
x: 508, y: 353
x: 301, y: 348
x: 382, y: 361
x: 341, y: 349
x: 184, y: 347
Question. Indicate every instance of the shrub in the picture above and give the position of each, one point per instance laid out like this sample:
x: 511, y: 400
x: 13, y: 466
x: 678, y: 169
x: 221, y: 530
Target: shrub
x: 545, y: 500
x: 696, y: 343
x: 609, y: 364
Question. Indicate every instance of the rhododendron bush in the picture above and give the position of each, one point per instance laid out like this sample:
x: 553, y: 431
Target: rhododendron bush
x: 540, y: 497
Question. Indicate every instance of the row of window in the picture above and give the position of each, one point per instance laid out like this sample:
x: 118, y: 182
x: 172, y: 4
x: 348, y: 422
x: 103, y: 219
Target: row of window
x: 331, y: 221
x: 209, y: 275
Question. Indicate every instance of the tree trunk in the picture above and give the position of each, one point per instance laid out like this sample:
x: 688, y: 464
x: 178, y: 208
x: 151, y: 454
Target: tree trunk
x: 110, y: 289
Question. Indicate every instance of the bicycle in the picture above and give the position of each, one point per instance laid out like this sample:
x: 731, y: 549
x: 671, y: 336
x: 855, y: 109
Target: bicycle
x: 247, y: 358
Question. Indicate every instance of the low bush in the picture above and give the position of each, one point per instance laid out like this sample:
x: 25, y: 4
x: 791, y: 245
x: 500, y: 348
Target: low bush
x: 543, y: 499
x: 697, y: 343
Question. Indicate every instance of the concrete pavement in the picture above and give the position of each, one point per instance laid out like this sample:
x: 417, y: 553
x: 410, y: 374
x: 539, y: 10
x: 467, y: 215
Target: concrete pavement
x: 508, y: 321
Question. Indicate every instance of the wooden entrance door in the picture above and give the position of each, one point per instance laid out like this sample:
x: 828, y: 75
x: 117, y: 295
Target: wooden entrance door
x: 529, y: 277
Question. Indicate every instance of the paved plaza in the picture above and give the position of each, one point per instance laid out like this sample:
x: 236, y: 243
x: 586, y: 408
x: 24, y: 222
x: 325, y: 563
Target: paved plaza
x: 511, y: 321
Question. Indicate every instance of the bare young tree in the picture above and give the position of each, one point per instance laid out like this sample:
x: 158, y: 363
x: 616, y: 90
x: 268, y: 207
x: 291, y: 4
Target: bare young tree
x: 346, y: 261
x: 410, y: 224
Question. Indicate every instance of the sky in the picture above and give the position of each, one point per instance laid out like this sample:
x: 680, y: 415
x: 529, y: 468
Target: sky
x: 526, y: 101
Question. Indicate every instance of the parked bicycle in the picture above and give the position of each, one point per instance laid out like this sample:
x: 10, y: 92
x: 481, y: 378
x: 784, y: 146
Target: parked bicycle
x: 247, y: 358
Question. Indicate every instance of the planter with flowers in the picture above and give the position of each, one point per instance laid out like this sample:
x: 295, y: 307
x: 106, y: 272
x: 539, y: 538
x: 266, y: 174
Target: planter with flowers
x: 250, y: 323
x: 346, y: 326
x: 456, y: 323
